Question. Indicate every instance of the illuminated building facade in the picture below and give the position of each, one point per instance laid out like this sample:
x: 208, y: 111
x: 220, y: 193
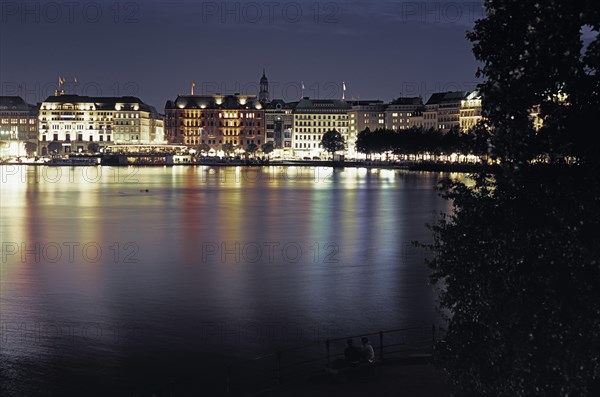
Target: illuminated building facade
x: 215, y: 120
x: 75, y: 122
x: 313, y: 118
x: 403, y: 113
x: 363, y: 115
x: 279, y: 122
x: 18, y: 119
x: 470, y: 111
x: 442, y: 110
x: 18, y: 125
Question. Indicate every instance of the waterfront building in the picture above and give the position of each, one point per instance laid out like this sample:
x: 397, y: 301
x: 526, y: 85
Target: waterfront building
x: 18, y: 125
x: 403, y: 113
x: 279, y: 120
x: 215, y: 120
x: 362, y: 115
x: 442, y: 110
x: 430, y: 115
x: 366, y: 114
x: 470, y: 111
x: 18, y: 119
x: 76, y: 122
x: 416, y: 119
x: 313, y: 118
x: 137, y: 123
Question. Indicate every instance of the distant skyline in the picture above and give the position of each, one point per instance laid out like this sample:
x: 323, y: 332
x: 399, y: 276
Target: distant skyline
x: 155, y: 49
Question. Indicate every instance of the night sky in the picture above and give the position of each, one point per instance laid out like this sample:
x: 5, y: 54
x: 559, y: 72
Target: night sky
x: 155, y: 49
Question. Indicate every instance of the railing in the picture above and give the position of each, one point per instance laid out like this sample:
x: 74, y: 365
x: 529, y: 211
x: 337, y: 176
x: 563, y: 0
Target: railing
x: 261, y: 373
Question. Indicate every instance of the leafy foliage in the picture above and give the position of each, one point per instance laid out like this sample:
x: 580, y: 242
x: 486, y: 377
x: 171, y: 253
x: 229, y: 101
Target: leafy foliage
x: 268, y: 147
x: 203, y: 148
x: 54, y: 147
x: 31, y: 148
x: 418, y: 141
x: 227, y: 148
x: 93, y: 147
x: 517, y: 263
x: 333, y: 141
x: 533, y: 54
x: 251, y: 148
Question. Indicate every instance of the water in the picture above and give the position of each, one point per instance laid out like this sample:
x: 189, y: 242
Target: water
x: 124, y: 280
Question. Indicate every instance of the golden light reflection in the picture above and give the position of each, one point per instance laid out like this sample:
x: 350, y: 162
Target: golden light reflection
x: 13, y: 190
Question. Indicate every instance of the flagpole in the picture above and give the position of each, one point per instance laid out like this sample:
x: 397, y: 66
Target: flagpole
x: 59, y: 91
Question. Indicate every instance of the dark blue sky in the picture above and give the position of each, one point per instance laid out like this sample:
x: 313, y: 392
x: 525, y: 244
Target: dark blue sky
x: 154, y: 49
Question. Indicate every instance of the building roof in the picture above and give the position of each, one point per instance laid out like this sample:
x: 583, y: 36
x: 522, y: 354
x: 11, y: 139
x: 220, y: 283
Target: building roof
x: 365, y: 102
x: 415, y: 100
x: 105, y: 103
x: 279, y: 104
x: 307, y: 105
x: 217, y: 101
x: 445, y: 97
x: 367, y: 105
x: 72, y: 98
x: 474, y: 95
x: 15, y: 103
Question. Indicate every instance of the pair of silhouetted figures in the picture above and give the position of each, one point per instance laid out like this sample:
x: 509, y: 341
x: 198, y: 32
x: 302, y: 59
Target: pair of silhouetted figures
x: 354, y: 355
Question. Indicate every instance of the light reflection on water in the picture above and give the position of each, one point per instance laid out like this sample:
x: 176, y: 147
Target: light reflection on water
x: 101, y: 279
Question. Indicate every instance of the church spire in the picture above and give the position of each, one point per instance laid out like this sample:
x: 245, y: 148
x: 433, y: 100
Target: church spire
x: 263, y: 95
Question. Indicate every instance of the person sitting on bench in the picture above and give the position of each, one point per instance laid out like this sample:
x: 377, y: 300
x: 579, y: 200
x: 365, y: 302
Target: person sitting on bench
x: 352, y: 356
x: 368, y: 354
x: 351, y: 353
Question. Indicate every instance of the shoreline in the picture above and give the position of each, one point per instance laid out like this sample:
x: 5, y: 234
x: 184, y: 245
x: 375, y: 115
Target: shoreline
x: 412, y: 166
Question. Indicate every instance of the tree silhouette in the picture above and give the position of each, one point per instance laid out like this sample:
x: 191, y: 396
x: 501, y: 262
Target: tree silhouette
x: 203, y: 148
x: 54, y: 147
x: 251, y: 148
x: 333, y: 141
x: 364, y: 142
x: 93, y: 147
x: 267, y: 148
x: 31, y: 148
x: 517, y: 262
x: 227, y: 148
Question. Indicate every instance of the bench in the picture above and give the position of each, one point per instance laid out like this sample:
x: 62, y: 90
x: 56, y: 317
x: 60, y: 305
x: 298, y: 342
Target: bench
x: 352, y: 370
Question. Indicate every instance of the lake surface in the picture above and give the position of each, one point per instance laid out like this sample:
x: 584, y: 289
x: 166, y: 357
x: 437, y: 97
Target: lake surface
x: 115, y: 280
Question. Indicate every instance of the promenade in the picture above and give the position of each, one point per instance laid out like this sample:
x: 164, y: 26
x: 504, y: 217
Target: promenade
x: 427, y: 166
x: 403, y: 367
x: 395, y: 378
